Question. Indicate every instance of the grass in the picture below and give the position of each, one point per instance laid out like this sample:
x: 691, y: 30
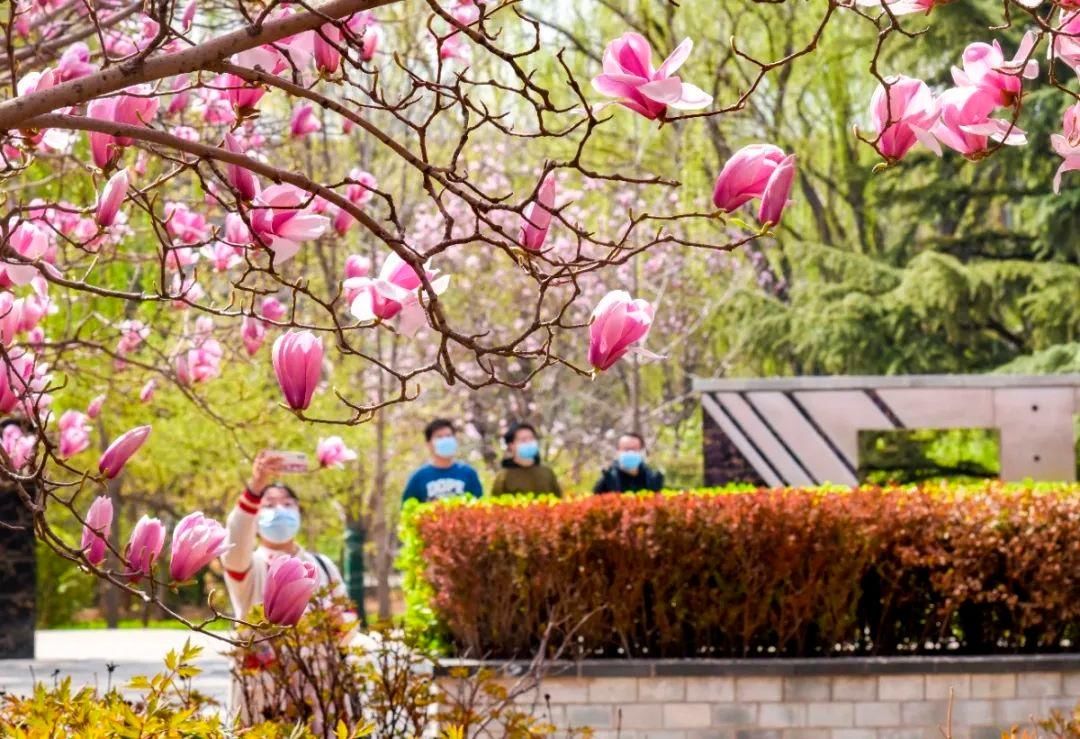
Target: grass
x: 136, y: 623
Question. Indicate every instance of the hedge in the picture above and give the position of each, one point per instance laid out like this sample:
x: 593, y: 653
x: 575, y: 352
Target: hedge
x: 794, y: 572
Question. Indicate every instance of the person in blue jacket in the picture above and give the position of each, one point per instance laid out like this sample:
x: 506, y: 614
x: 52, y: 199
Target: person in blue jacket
x: 443, y: 476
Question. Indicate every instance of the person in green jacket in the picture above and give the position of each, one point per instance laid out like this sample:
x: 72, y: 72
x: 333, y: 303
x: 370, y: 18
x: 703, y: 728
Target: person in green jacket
x: 522, y: 471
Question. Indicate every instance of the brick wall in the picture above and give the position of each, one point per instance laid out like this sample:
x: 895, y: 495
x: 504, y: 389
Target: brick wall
x: 838, y: 699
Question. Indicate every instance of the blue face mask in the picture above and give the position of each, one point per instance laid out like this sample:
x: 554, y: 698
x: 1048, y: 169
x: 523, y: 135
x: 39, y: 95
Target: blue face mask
x: 444, y: 446
x: 630, y: 461
x: 528, y: 450
x: 279, y: 524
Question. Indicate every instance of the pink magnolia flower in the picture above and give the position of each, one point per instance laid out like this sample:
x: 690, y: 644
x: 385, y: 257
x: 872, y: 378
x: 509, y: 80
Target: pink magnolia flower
x: 136, y: 106
x: 32, y: 242
x: 630, y: 78
x: 297, y: 359
x: 756, y: 171
x: 187, y: 18
x: 395, y: 291
x: 244, y: 96
x: 325, y: 44
x: 966, y: 126
x: 9, y: 318
x: 18, y: 315
x: 132, y: 335
x: 121, y: 450
x: 32, y: 82
x: 181, y: 100
x: 185, y: 225
x: 18, y: 446
x: 186, y: 133
x: 103, y: 148
x: 455, y: 48
x: 16, y: 374
x: 112, y: 195
x: 284, y: 219
x: 304, y: 121
x: 1066, y: 44
x: 253, y: 333
x: 342, y: 220
x: 619, y: 325
x: 26, y: 312
x: 96, y: 529
x: 144, y: 547
x: 905, y: 7
x: 777, y: 191
x: 185, y: 290
x: 985, y: 68
x: 538, y: 215
x: 146, y: 394
x: 332, y: 452
x: 357, y: 265
x: 218, y: 111
x: 745, y: 175
x: 75, y: 62
x: 1067, y: 144
x: 272, y: 309
x: 74, y: 434
x: 240, y: 178
x: 23, y: 380
x: 196, y: 542
x: 236, y: 231
x: 222, y: 256
x: 903, y: 116
x: 365, y: 26
x: 290, y: 583
x: 362, y: 186
x: 200, y: 363
x: 93, y: 410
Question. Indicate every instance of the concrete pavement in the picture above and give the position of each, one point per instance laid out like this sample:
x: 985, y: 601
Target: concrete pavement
x: 85, y: 654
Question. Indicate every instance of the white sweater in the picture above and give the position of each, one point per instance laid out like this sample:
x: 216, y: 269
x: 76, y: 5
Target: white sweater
x: 246, y: 564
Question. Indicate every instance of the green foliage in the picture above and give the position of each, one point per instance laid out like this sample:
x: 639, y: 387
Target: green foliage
x: 62, y: 588
x: 420, y: 617
x: 914, y: 455
x: 168, y: 708
x: 1060, y: 359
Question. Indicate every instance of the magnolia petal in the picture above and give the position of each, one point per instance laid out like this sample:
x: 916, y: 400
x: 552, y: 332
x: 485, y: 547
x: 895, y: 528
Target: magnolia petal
x: 692, y: 97
x: 675, y: 59
x: 413, y: 318
x: 1071, y: 164
x: 927, y: 139
x: 440, y: 284
x: 283, y: 249
x: 667, y: 91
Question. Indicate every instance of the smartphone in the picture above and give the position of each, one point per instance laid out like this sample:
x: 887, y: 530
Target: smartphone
x: 290, y: 461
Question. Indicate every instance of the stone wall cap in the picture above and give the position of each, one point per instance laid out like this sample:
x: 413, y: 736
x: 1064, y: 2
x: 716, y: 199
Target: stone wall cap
x: 873, y: 382
x: 766, y: 667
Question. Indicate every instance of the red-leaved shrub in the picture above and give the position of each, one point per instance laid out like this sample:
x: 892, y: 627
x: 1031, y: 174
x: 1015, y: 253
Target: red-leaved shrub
x: 766, y: 573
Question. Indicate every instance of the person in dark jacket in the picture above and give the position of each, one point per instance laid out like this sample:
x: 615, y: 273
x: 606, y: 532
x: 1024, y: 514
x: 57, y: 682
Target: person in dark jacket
x: 522, y: 471
x: 629, y: 473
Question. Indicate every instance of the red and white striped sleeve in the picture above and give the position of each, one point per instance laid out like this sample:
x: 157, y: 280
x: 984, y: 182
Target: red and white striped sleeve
x: 242, y: 527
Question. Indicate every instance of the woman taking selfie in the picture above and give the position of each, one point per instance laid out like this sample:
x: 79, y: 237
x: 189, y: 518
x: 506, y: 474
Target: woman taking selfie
x: 262, y: 526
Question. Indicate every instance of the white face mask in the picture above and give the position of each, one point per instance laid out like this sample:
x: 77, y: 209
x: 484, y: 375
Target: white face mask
x: 279, y: 524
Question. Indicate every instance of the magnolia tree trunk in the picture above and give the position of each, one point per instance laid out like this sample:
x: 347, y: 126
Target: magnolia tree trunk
x: 18, y: 575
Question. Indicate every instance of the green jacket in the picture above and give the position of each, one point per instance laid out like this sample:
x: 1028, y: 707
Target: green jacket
x: 513, y: 478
